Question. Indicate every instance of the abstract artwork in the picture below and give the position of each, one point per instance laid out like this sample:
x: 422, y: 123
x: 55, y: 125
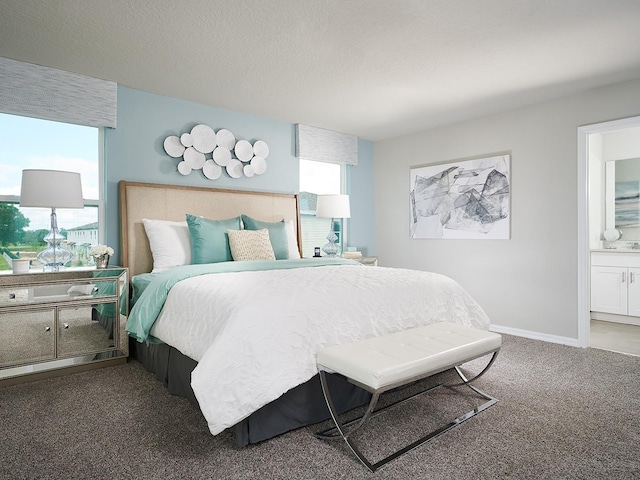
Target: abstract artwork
x: 466, y: 199
x: 627, y: 204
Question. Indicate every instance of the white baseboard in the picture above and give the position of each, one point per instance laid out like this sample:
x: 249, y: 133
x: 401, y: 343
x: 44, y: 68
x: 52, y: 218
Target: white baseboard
x: 572, y: 342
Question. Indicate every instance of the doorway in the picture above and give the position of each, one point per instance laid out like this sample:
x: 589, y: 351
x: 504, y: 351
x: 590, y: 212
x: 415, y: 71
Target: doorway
x: 590, y: 188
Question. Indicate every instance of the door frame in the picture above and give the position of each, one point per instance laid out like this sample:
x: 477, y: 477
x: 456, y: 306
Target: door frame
x: 584, y: 263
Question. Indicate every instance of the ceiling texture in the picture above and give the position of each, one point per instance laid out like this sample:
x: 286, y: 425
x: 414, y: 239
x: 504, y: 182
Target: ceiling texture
x: 376, y: 69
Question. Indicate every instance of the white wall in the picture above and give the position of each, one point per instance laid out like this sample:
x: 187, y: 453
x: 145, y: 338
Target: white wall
x: 529, y: 282
x: 621, y: 144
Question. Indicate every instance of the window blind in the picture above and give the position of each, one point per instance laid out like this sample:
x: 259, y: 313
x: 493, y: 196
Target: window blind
x: 50, y: 94
x: 322, y: 145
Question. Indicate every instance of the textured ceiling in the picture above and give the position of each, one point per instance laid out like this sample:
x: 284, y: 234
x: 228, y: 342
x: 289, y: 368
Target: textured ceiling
x: 376, y: 69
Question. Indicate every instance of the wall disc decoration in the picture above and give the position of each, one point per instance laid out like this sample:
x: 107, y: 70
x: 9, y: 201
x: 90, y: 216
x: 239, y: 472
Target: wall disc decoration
x: 234, y: 168
x: 184, y: 168
x: 204, y: 138
x: 211, y: 170
x: 261, y: 149
x: 194, y: 158
x: 222, y: 156
x: 173, y: 146
x: 259, y: 165
x: 204, y: 149
x: 244, y: 151
x: 186, y: 140
x: 248, y: 170
x: 225, y: 139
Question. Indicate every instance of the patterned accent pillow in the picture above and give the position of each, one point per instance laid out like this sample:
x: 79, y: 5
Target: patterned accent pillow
x: 250, y: 245
x: 277, y: 234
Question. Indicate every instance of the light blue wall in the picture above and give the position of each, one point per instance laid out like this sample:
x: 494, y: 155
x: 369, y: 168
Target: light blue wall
x: 134, y: 151
x: 361, y: 198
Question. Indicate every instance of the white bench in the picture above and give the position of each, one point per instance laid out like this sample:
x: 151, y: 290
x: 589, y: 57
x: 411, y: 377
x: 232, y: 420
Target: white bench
x: 382, y: 363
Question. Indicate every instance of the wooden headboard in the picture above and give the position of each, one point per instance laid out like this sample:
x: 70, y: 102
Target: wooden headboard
x: 173, y: 202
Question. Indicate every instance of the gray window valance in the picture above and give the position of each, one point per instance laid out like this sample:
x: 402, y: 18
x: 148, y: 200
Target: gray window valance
x: 327, y: 146
x: 50, y: 94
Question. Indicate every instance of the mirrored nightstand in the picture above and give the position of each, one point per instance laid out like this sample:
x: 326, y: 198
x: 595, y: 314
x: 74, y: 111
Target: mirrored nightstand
x: 62, y: 322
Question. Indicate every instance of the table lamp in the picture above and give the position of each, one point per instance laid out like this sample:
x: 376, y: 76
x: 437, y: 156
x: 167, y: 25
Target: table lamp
x: 333, y: 206
x: 52, y: 189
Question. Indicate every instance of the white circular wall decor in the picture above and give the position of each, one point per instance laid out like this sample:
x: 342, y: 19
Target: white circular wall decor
x: 226, y: 139
x: 186, y: 140
x: 215, y: 152
x: 211, y: 170
x: 194, y: 158
x: 184, y: 168
x: 173, y: 146
x: 248, y: 170
x: 244, y: 151
x: 259, y: 165
x: 234, y: 168
x: 222, y: 156
x: 261, y: 149
x: 204, y: 138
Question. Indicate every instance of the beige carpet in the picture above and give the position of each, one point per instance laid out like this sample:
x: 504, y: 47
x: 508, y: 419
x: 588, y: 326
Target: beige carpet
x: 564, y: 413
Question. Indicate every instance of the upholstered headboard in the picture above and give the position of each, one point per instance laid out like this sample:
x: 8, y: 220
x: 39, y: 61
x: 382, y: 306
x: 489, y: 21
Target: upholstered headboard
x: 173, y: 202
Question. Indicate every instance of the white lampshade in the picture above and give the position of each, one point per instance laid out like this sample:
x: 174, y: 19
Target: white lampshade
x: 51, y: 189
x: 333, y: 206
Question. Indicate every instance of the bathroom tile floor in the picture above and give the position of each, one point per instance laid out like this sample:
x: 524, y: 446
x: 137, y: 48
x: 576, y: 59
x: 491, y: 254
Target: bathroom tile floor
x: 616, y: 337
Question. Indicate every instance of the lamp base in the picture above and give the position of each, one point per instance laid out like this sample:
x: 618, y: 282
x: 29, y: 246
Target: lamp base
x: 331, y: 248
x: 55, y: 256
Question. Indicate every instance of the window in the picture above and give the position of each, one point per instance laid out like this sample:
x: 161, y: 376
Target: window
x: 33, y: 143
x: 318, y: 178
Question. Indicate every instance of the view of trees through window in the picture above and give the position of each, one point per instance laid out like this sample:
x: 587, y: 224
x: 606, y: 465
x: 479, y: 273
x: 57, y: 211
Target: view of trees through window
x: 28, y: 143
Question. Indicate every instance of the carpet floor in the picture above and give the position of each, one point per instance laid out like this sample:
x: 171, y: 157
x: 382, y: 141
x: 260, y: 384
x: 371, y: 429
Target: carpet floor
x: 563, y: 412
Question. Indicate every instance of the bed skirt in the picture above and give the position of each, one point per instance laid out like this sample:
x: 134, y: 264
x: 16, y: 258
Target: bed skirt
x: 301, y: 406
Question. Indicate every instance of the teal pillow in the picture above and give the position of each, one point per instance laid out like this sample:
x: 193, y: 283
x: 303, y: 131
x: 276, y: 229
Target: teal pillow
x: 209, y: 239
x: 277, y: 234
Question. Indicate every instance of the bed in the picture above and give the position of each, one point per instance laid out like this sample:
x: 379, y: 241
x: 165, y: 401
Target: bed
x: 238, y: 338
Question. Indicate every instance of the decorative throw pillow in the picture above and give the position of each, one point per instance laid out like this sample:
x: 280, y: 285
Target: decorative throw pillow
x: 250, y: 245
x: 169, y: 243
x: 209, y: 239
x: 292, y: 240
x: 277, y: 234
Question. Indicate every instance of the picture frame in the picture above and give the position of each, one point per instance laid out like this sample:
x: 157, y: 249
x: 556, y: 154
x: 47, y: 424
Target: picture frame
x: 627, y: 204
x: 462, y: 199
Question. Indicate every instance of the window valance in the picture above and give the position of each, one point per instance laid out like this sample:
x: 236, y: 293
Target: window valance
x: 50, y: 94
x: 322, y: 145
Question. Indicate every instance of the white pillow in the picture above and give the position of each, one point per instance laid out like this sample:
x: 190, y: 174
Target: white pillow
x: 170, y: 243
x: 250, y: 245
x: 292, y: 240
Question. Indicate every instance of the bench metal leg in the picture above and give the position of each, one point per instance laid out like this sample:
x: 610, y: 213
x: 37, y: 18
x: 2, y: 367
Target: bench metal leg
x: 342, y: 430
x: 466, y: 381
x: 340, y: 427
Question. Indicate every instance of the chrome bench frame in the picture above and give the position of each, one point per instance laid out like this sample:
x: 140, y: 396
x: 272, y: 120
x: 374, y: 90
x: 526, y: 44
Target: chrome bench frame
x: 345, y: 430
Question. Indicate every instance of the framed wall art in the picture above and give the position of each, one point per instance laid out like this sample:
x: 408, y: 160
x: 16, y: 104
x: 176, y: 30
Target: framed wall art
x: 468, y: 199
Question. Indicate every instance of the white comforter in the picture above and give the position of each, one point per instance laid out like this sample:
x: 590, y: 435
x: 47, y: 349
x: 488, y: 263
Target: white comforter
x: 255, y: 334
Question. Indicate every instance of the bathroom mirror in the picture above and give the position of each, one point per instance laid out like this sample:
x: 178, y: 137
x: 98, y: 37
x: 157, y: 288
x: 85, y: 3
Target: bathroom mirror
x: 622, y: 197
